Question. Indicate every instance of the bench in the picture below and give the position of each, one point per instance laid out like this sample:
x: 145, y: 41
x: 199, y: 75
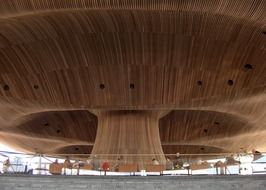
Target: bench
x: 204, y: 165
x: 155, y: 168
x: 131, y: 168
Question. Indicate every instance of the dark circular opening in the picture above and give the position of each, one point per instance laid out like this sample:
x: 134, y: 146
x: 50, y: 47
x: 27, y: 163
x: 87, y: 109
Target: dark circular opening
x: 201, y: 148
x: 6, y: 87
x: 58, y: 131
x: 216, y: 123
x: 205, y: 130
x: 35, y: 86
x: 102, y: 86
x: 76, y: 148
x: 264, y: 32
x: 46, y: 124
x: 132, y: 86
x: 199, y: 83
x: 230, y: 82
x: 248, y: 66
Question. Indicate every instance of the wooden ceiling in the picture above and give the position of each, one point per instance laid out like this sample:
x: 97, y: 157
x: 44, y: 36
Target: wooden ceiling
x: 200, y: 64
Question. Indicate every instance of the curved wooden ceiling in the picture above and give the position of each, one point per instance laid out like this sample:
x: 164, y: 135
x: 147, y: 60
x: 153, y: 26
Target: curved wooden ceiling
x: 197, y: 62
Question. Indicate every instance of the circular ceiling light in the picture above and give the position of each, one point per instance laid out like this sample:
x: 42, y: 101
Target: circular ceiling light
x: 230, y: 82
x: 199, y: 83
x: 248, y: 66
x: 102, y: 86
x: 35, y: 86
x: 216, y: 123
x: 6, y: 87
x: 132, y: 86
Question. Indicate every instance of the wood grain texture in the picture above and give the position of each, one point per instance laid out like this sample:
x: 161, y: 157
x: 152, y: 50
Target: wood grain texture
x: 132, y: 136
x: 192, y: 63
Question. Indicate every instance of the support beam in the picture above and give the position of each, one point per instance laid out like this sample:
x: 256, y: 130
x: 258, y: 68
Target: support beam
x: 131, y: 134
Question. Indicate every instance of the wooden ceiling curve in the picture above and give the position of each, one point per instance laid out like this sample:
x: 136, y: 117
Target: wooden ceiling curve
x: 63, y: 60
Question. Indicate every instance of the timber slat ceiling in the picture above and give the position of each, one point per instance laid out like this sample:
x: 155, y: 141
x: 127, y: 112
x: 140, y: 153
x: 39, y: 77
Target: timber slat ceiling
x: 63, y: 62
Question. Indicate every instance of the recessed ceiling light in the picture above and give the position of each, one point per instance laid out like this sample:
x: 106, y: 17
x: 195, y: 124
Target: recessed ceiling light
x: 199, y: 83
x: 132, y: 86
x: 102, y: 86
x: 248, y: 66
x: 6, y: 87
x: 230, y: 82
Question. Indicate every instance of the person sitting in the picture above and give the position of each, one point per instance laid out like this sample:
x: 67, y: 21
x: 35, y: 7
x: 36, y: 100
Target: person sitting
x: 6, y: 165
x: 89, y: 160
x: 118, y: 163
x: 155, y: 162
x: 76, y: 165
x: 169, y: 164
x: 105, y: 166
x: 67, y: 164
x: 95, y: 162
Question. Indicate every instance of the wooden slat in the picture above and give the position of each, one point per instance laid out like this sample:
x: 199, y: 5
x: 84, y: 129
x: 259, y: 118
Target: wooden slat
x: 193, y: 64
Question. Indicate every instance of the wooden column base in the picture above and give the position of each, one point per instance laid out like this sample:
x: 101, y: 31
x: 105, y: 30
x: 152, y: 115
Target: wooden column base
x: 132, y: 136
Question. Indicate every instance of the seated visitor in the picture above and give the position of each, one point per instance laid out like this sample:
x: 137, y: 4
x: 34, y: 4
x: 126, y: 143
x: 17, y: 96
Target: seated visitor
x: 89, y: 160
x: 67, y: 164
x: 169, y: 164
x: 105, y: 166
x: 76, y: 164
x: 95, y: 162
x: 155, y: 162
x: 6, y: 165
x: 118, y: 163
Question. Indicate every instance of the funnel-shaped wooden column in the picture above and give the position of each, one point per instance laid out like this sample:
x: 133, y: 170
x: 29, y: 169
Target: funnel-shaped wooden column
x: 134, y: 135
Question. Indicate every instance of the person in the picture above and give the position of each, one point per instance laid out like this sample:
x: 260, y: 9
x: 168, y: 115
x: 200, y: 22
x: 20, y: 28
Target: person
x: 95, y: 163
x: 89, y: 160
x: 256, y: 155
x: 76, y: 166
x: 118, y: 163
x: 155, y: 162
x: 169, y: 164
x: 6, y: 165
x: 105, y: 166
x: 67, y: 164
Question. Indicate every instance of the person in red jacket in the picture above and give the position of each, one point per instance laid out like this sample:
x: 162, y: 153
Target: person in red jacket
x: 105, y: 166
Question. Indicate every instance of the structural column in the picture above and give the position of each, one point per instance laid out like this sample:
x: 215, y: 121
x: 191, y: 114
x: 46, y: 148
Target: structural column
x: 132, y: 135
